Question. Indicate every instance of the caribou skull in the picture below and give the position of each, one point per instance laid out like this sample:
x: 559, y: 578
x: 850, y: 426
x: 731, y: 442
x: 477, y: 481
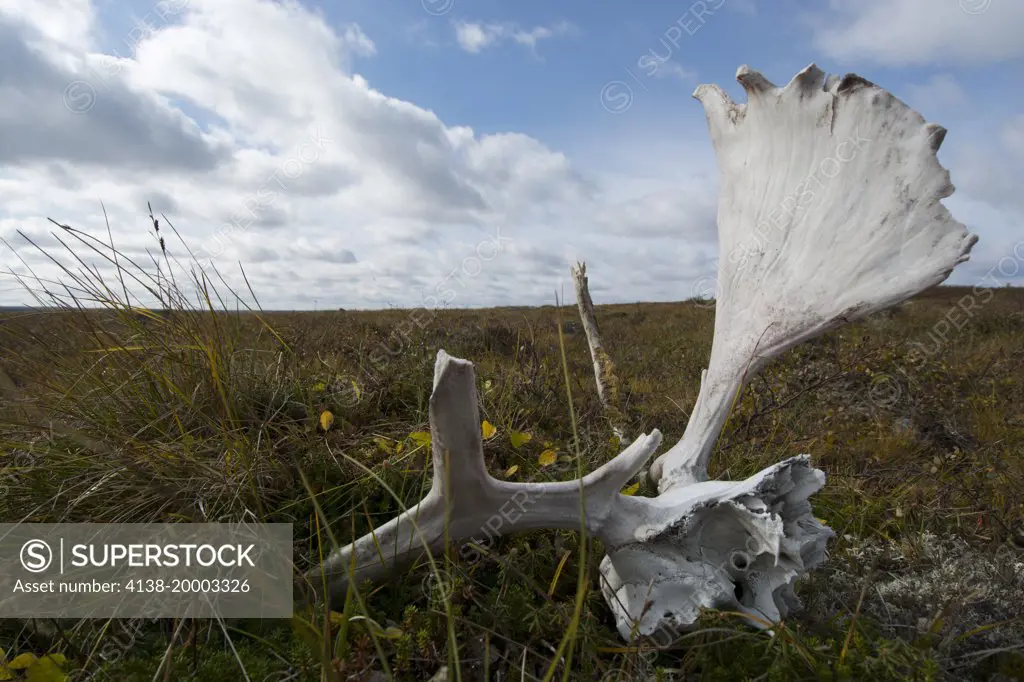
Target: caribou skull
x: 829, y: 210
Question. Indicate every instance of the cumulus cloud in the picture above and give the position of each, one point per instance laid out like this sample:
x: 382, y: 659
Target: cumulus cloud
x: 286, y: 159
x: 54, y: 112
x: 914, y: 32
x: 60, y: 23
x: 249, y: 124
x: 691, y: 210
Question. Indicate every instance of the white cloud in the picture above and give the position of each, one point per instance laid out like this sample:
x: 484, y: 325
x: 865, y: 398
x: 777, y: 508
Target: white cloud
x: 286, y: 159
x: 667, y: 68
x: 293, y: 164
x: 531, y: 37
x: 909, y: 32
x: 55, y: 113
x: 64, y: 23
x: 357, y: 42
x: 473, y: 37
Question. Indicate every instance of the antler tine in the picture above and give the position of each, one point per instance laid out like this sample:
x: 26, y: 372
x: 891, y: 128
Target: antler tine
x: 457, y: 451
x: 464, y: 501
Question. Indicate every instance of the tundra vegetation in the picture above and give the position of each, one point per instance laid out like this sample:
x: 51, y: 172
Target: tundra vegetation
x: 119, y: 414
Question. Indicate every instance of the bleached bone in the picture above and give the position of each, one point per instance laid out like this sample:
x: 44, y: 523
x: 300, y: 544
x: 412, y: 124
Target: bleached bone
x: 604, y: 369
x: 465, y: 502
x: 829, y: 210
x: 800, y: 259
x: 763, y: 523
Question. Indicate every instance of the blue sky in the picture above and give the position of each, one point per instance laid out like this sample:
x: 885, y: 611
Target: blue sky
x: 446, y: 120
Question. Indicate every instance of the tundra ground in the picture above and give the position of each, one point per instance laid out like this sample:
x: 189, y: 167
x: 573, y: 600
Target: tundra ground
x: 915, y: 415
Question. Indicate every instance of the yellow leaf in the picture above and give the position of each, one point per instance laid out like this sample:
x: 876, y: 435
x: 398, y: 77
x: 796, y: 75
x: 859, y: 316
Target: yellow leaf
x: 631, y: 489
x: 519, y: 439
x: 511, y: 471
x: 22, y: 661
x: 420, y: 437
x: 46, y: 669
x: 5, y: 673
x: 326, y: 420
x: 488, y: 430
x: 384, y: 444
x: 547, y: 458
x: 356, y: 390
x: 319, y: 386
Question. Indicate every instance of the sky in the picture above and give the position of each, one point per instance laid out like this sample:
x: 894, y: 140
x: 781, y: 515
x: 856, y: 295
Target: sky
x: 382, y: 153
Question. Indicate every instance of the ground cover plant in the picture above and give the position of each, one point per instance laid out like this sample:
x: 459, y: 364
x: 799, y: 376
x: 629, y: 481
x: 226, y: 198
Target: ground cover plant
x: 115, y: 412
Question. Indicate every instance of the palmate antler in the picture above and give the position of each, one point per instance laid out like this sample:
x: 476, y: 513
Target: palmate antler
x: 829, y: 210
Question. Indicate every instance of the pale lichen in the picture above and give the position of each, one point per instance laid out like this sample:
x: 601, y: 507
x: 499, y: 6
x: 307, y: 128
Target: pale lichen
x: 971, y: 599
